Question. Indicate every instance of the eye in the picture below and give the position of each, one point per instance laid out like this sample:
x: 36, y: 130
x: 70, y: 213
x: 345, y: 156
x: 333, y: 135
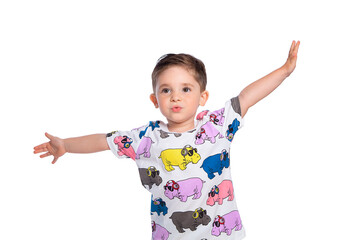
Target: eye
x: 165, y: 90
x: 186, y: 89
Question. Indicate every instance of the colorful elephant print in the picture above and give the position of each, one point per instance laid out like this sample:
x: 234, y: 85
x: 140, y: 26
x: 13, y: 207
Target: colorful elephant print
x: 226, y: 223
x: 217, y: 117
x: 159, y: 232
x: 190, y: 219
x: 201, y: 115
x: 179, y: 157
x: 151, y: 125
x: 164, y: 134
x: 124, y: 146
x: 150, y: 176
x: 216, y: 163
x: 144, y: 148
x: 159, y: 206
x: 232, y: 129
x: 184, y: 189
x: 207, y: 132
x: 218, y: 193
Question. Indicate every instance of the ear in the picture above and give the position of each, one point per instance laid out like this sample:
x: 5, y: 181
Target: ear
x: 154, y: 100
x: 203, y: 98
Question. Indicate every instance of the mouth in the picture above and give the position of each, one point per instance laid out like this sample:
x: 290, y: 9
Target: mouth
x: 176, y: 109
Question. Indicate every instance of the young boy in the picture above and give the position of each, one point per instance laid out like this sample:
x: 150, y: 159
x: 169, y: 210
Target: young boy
x: 185, y: 164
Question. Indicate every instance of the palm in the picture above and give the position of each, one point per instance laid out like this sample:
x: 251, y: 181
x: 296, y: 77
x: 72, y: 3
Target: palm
x: 291, y: 61
x: 54, y: 147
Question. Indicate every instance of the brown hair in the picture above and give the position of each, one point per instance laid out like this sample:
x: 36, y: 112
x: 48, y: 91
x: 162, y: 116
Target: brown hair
x: 192, y: 64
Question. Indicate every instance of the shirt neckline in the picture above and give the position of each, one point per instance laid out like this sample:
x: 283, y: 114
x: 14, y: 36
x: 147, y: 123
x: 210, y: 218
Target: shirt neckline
x: 164, y: 127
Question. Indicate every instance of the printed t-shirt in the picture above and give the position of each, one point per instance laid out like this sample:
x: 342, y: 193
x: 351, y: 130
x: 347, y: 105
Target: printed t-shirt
x: 188, y: 174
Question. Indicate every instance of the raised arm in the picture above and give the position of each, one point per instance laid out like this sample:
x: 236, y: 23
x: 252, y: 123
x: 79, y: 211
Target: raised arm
x: 259, y: 89
x: 85, y: 144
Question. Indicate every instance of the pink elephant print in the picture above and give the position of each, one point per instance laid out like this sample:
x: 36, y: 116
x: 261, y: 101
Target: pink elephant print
x: 218, y: 193
x: 124, y: 146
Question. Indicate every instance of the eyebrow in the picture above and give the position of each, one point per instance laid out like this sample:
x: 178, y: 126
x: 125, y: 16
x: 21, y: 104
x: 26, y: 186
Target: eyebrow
x: 184, y: 85
x: 163, y: 85
x: 188, y: 85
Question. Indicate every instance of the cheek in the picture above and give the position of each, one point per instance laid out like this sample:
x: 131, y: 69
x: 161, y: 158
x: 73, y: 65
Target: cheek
x: 162, y: 105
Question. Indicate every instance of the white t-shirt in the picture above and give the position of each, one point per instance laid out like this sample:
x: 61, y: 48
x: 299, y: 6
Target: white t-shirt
x: 188, y: 174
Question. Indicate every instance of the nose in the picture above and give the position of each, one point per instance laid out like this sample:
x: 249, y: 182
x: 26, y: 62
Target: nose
x: 175, y: 97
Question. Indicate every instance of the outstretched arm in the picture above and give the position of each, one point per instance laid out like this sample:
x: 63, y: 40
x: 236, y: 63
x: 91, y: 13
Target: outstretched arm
x: 259, y: 89
x: 58, y: 147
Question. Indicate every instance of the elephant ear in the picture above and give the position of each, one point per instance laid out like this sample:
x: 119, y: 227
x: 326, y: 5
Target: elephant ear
x: 223, y: 153
x: 149, y: 171
x: 221, y: 220
x: 198, y: 213
x: 184, y: 152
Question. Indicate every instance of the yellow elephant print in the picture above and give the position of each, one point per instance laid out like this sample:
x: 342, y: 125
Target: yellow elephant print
x: 179, y: 157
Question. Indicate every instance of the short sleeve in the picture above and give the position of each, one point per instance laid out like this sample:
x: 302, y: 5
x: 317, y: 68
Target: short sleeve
x: 124, y: 143
x: 232, y: 120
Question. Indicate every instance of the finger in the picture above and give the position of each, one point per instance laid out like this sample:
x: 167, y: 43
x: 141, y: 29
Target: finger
x: 39, y: 150
x: 297, y: 47
x: 295, y: 50
x: 43, y: 145
x: 55, y: 159
x: 292, y: 47
x: 45, y: 155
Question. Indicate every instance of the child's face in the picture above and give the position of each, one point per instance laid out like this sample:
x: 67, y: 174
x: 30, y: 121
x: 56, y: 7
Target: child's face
x: 178, y: 96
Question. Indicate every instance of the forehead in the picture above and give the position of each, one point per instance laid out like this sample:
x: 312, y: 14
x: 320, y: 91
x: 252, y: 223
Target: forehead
x: 174, y: 75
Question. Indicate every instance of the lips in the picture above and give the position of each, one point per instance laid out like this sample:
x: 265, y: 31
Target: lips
x: 176, y: 109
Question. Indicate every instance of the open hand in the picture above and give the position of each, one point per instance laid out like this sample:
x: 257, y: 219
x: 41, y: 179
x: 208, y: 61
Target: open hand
x: 290, y: 64
x: 55, y: 147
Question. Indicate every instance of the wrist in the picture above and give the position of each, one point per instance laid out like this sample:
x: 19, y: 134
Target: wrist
x: 285, y: 71
x: 66, y: 145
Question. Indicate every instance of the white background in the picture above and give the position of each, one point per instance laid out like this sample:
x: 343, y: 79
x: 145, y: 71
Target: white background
x: 75, y: 67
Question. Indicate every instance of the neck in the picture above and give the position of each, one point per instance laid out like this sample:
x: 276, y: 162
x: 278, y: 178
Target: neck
x: 180, y: 127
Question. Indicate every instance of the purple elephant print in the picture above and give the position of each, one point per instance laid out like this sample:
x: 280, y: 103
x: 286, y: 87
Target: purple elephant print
x: 226, y: 223
x: 207, y: 132
x: 144, y: 148
x: 159, y: 232
x: 217, y: 117
x: 184, y: 189
x: 218, y: 193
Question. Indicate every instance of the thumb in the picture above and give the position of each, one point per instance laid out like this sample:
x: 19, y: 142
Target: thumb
x: 49, y: 136
x: 54, y: 161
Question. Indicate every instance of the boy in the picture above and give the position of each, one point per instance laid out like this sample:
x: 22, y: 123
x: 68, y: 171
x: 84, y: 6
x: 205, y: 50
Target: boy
x: 184, y: 164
